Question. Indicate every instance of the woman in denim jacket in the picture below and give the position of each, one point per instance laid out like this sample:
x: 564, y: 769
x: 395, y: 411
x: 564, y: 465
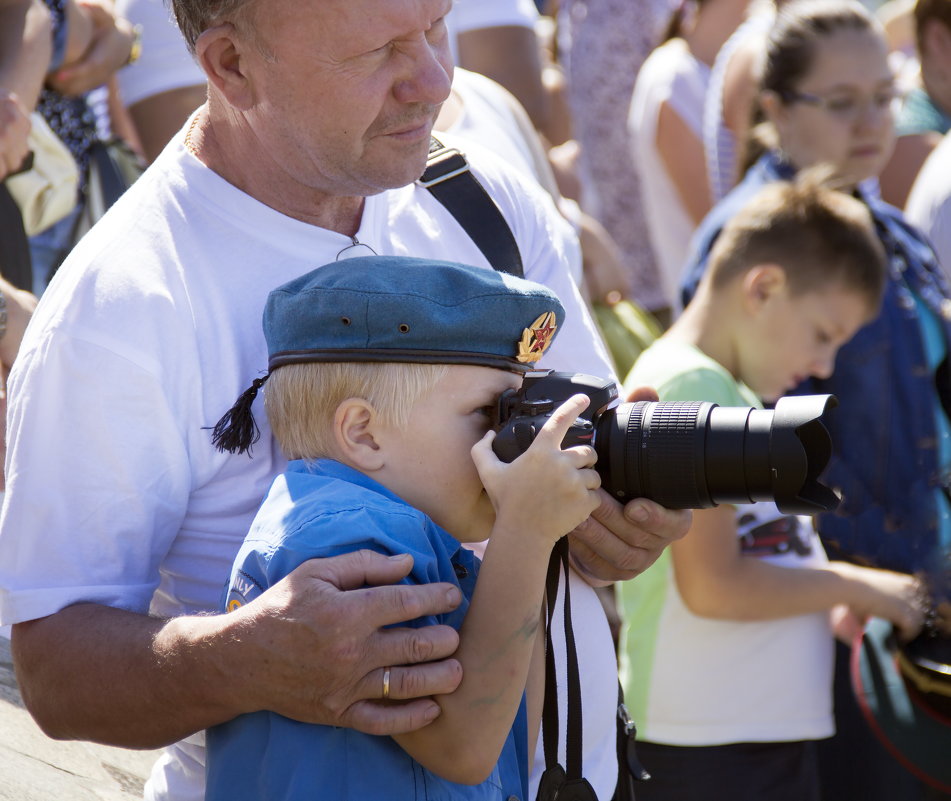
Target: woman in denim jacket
x: 827, y: 95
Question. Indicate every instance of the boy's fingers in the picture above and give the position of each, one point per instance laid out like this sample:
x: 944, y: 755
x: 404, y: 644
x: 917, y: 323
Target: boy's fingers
x: 583, y: 455
x: 483, y: 448
x: 592, y: 481
x: 563, y: 417
x: 482, y: 453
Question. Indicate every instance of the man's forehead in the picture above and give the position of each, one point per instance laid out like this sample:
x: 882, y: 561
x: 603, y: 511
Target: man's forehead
x: 368, y: 20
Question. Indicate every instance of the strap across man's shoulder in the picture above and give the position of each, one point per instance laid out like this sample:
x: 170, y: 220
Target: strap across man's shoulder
x: 452, y: 183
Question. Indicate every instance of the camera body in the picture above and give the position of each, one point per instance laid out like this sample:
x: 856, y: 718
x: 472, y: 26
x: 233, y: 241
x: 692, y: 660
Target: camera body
x: 523, y: 412
x: 682, y: 454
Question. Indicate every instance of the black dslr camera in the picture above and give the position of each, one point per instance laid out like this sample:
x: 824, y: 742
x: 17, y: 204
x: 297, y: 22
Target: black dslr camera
x: 684, y: 455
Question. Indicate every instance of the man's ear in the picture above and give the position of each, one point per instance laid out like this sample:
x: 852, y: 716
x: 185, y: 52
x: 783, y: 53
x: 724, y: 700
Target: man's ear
x: 221, y: 53
x: 355, y: 427
x: 762, y: 283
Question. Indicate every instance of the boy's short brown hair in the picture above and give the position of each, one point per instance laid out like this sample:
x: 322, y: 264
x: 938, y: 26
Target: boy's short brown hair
x: 819, y: 235
x: 301, y: 399
x: 927, y: 10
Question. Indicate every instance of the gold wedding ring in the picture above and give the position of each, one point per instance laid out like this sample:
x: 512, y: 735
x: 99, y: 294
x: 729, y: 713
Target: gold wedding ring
x: 386, y: 683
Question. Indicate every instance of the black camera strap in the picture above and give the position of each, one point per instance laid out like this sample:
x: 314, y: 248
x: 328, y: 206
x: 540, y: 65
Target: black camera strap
x: 557, y: 782
x: 451, y: 182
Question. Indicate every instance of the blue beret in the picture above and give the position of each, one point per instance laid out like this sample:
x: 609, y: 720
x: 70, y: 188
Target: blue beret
x: 402, y: 309
x: 398, y: 309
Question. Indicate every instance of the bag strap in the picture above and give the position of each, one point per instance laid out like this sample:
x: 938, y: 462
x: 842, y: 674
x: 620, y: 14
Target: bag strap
x: 452, y: 183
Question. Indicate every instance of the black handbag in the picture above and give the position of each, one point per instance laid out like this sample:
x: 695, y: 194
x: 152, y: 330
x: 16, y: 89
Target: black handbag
x: 14, y: 247
x: 113, y: 168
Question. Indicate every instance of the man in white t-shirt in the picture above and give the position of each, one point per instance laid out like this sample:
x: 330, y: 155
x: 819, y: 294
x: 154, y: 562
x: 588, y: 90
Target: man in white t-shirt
x: 121, y: 519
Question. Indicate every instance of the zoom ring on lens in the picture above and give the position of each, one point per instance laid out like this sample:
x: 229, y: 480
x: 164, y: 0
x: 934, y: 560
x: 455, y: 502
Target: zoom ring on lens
x: 672, y: 455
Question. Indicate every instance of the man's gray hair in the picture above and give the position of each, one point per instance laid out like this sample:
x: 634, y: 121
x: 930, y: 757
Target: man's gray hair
x: 196, y: 16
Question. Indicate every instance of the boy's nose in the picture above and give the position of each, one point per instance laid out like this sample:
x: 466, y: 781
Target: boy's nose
x: 824, y: 365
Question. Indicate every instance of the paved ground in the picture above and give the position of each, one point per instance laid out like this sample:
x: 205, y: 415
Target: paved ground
x: 35, y: 768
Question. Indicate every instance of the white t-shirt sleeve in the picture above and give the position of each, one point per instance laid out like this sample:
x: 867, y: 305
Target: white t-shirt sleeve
x: 165, y: 63
x: 467, y: 15
x: 929, y: 203
x: 89, y: 541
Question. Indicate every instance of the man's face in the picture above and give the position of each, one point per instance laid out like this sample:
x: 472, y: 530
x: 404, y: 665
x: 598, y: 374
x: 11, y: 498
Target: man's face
x: 429, y: 460
x: 345, y: 92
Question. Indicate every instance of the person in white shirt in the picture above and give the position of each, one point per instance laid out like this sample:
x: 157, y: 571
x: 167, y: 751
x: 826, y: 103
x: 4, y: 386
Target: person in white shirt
x: 665, y: 122
x: 929, y: 202
x: 120, y: 518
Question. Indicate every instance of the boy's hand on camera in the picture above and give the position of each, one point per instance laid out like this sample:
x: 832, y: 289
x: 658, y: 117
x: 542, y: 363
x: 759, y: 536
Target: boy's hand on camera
x: 546, y: 490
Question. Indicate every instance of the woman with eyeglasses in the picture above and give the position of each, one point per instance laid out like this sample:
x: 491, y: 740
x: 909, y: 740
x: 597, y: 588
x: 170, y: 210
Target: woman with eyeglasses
x: 826, y: 98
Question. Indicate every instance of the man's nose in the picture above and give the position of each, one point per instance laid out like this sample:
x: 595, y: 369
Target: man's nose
x: 428, y: 73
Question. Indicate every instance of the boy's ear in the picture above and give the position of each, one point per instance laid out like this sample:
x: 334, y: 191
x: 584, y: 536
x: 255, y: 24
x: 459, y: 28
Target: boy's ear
x: 763, y: 282
x: 772, y: 105
x: 220, y: 52
x: 355, y: 425
x: 936, y: 39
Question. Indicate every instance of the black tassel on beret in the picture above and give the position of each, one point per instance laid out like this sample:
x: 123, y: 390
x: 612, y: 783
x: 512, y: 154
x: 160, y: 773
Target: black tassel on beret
x: 237, y: 430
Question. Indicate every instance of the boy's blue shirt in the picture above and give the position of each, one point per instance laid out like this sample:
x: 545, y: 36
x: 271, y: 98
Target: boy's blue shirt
x: 319, y: 510
x: 892, y: 514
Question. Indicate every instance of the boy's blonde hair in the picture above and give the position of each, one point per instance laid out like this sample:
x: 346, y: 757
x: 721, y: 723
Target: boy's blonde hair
x: 301, y: 399
x: 817, y: 234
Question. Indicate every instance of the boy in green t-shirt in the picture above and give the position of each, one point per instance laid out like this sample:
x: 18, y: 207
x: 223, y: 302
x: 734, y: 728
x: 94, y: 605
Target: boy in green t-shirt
x: 727, y: 651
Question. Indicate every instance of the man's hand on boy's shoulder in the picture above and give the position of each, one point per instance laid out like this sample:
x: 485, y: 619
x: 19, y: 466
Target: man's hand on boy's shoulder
x: 342, y: 618
x: 619, y: 542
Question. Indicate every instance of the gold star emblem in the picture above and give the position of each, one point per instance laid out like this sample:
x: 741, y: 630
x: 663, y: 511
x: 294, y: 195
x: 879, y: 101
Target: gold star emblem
x: 536, y: 338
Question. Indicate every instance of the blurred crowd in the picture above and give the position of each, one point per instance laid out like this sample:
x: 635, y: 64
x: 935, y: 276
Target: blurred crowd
x: 654, y: 128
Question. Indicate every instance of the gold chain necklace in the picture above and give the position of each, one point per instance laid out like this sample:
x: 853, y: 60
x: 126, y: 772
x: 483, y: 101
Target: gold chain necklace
x: 189, y: 145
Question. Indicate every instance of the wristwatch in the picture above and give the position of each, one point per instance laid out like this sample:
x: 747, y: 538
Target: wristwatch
x: 135, y: 52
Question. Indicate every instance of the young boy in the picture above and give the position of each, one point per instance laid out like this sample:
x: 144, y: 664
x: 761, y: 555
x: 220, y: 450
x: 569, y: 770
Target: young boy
x: 384, y: 376
x: 727, y: 651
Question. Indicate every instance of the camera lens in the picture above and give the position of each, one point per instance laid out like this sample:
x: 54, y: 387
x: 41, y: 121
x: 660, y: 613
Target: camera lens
x: 682, y: 454
x: 694, y: 455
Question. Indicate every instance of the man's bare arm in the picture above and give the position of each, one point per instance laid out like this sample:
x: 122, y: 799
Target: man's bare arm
x: 26, y: 47
x: 312, y: 648
x: 25, y: 52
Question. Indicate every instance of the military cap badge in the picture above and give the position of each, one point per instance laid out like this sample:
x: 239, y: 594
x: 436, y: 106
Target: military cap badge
x: 536, y: 338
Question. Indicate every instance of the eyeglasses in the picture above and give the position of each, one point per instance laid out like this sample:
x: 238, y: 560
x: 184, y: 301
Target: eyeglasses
x: 846, y: 105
